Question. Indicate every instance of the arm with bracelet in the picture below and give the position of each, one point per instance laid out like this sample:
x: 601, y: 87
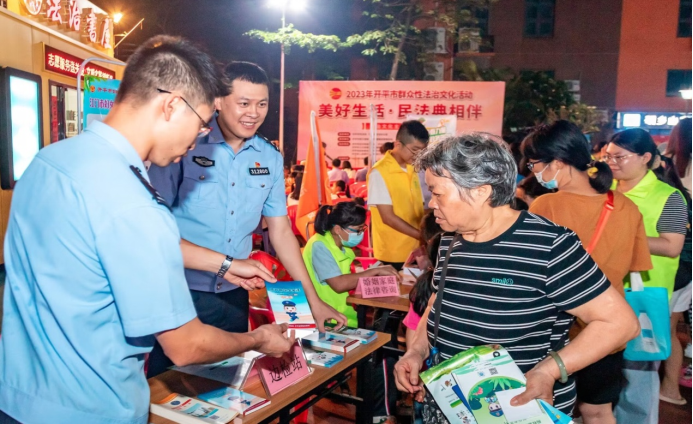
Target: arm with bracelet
x: 245, y: 273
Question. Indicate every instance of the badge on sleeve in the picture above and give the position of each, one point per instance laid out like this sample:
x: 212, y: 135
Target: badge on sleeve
x: 203, y: 161
x: 258, y: 170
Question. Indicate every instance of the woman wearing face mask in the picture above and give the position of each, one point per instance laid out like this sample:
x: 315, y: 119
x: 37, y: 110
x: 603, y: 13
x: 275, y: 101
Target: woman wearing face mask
x: 634, y: 160
x: 328, y: 255
x: 560, y: 154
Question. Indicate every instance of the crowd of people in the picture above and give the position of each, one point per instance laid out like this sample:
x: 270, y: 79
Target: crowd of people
x: 529, y: 246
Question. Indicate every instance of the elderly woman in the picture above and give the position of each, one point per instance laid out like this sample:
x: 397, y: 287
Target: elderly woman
x: 513, y: 278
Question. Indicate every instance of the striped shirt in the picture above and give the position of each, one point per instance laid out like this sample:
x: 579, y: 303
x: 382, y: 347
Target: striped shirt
x: 674, y: 217
x: 514, y: 291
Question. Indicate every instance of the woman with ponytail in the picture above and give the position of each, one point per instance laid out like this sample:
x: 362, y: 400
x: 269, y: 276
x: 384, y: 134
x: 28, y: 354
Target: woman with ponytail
x: 637, y: 167
x: 559, y: 156
x: 328, y: 256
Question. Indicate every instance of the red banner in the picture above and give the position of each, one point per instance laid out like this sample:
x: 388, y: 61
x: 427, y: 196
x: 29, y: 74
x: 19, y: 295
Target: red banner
x: 66, y: 64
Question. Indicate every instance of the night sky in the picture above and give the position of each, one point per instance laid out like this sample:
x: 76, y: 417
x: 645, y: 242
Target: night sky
x: 218, y: 26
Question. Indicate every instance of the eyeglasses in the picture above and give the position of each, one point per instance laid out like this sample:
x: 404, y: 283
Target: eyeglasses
x: 411, y: 151
x: 358, y: 231
x: 205, y: 129
x: 530, y: 165
x: 616, y: 159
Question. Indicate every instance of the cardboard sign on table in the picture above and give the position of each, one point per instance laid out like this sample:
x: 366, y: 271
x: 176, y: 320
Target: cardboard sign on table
x: 277, y: 374
x: 383, y: 286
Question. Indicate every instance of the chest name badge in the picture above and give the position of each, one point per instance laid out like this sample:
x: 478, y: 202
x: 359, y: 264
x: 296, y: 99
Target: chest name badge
x: 259, y: 171
x: 203, y: 161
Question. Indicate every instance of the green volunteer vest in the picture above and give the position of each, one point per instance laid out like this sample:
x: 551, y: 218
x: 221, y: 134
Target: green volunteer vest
x: 650, y: 196
x: 344, y: 260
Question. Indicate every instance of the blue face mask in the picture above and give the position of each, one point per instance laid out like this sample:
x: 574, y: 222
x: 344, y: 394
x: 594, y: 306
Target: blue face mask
x: 552, y: 184
x: 353, y: 241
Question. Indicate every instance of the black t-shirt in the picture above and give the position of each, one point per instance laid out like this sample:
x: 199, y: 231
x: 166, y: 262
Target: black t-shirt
x: 514, y: 291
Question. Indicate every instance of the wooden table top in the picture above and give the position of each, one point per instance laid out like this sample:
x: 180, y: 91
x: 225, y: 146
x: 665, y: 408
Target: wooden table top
x: 190, y: 385
x: 395, y: 303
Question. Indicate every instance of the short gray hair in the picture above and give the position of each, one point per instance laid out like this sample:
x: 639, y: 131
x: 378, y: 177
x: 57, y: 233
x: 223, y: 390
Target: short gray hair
x: 473, y: 160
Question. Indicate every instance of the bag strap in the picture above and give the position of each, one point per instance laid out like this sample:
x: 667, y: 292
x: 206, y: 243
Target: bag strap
x: 441, y: 286
x: 601, y: 224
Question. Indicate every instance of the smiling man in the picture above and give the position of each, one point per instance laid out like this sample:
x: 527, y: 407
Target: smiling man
x: 219, y: 192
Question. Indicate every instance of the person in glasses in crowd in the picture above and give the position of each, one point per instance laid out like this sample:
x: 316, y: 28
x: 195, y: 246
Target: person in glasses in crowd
x: 328, y: 256
x: 93, y: 257
x: 219, y: 192
x: 634, y: 160
x: 559, y: 156
x: 512, y: 278
x: 395, y: 197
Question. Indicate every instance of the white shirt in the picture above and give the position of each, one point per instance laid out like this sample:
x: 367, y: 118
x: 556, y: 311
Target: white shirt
x: 377, y: 190
x: 337, y: 174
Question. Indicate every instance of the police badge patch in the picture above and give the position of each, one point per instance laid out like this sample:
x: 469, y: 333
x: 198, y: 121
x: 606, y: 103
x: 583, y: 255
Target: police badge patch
x: 203, y: 161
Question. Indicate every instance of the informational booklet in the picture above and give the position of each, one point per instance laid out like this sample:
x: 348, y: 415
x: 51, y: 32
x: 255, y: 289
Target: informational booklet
x: 233, y: 371
x: 185, y: 410
x: 489, y: 381
x: 236, y: 400
x: 363, y: 336
x: 330, y: 342
x: 321, y: 359
x: 290, y: 305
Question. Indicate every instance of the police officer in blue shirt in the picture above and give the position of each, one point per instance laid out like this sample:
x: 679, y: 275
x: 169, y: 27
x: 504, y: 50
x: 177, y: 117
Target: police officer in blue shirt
x: 219, y: 193
x: 94, y: 266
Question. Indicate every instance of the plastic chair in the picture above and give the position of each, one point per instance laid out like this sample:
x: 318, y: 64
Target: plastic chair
x: 358, y: 189
x: 272, y: 264
x: 291, y: 213
x: 366, y: 246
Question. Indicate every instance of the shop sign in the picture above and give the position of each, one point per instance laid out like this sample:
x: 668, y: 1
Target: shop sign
x: 66, y: 64
x: 650, y: 120
x: 68, y: 16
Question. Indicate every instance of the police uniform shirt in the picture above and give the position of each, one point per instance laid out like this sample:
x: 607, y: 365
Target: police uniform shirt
x: 94, y: 269
x: 219, y: 196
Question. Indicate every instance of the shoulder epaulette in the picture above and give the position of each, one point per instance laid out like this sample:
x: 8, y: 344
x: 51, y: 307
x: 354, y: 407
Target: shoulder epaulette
x: 267, y: 140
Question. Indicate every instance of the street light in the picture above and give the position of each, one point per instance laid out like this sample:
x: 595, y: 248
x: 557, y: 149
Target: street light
x: 296, y: 5
x: 117, y: 17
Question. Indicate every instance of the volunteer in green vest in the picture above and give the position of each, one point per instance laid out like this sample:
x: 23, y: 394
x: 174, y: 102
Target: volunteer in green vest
x: 395, y: 198
x: 634, y: 160
x: 328, y: 255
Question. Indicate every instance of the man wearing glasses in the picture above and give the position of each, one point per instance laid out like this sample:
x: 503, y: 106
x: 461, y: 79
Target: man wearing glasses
x: 94, y: 265
x: 395, y: 198
x: 218, y: 193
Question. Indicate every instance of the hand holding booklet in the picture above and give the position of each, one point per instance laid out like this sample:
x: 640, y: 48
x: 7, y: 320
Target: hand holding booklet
x: 476, y: 386
x: 290, y: 305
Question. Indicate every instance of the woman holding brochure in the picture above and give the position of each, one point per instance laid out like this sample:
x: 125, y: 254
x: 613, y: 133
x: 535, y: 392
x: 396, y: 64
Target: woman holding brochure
x: 510, y: 278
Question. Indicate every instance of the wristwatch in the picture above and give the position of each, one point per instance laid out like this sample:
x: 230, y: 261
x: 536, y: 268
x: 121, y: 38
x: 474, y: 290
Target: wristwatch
x: 225, y: 267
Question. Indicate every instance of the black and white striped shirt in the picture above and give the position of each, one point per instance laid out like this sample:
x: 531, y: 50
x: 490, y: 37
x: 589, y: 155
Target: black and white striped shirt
x: 514, y: 291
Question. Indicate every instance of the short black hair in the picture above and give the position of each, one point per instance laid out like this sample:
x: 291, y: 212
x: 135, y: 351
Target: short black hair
x: 365, y: 161
x: 245, y: 71
x: 172, y: 64
x: 344, y: 214
x: 386, y: 147
x: 341, y: 184
x: 346, y: 164
x: 411, y: 131
x: 336, y: 162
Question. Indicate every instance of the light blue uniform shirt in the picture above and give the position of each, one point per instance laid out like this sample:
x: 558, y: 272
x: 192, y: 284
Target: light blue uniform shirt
x: 219, y: 196
x: 94, y: 269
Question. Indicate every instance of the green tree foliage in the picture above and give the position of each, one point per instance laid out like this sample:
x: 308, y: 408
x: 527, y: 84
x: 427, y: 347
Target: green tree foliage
x: 290, y: 36
x: 392, y: 27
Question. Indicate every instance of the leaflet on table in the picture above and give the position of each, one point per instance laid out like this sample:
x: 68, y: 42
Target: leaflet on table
x: 481, y: 381
x: 233, y: 371
x: 331, y: 342
x: 290, y: 305
x: 363, y: 336
x: 185, y: 410
x: 322, y: 359
x: 230, y: 398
